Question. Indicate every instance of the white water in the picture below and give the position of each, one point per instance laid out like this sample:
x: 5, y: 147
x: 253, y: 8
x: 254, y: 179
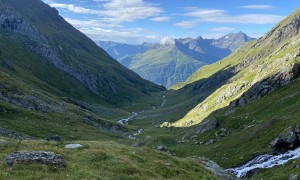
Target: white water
x: 133, y: 136
x: 125, y: 121
x: 265, y: 161
x: 164, y: 100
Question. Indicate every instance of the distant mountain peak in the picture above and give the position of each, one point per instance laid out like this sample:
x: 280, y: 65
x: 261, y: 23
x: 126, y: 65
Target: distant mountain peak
x: 232, y: 40
x: 173, y: 60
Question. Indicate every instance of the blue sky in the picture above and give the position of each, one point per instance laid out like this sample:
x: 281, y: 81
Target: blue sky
x: 137, y: 21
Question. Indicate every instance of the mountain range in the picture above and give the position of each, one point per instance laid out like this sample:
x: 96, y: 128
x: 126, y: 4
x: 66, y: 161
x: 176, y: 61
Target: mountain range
x: 173, y: 60
x: 237, y: 117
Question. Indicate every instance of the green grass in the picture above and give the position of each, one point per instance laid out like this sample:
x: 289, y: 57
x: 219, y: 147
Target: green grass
x: 101, y: 160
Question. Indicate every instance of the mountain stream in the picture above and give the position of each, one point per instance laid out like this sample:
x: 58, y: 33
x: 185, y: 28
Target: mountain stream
x: 265, y: 161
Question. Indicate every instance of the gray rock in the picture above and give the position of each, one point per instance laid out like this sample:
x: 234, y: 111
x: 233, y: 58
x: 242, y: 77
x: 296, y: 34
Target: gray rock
x: 73, y: 146
x: 161, y: 148
x: 206, y: 125
x: 217, y: 170
x: 288, y: 140
x: 252, y: 173
x: 54, y: 138
x: 268, y: 85
x: 39, y: 157
x: 13, y: 134
x: 294, y: 177
x: 211, y: 141
x: 221, y: 133
x: 198, y: 142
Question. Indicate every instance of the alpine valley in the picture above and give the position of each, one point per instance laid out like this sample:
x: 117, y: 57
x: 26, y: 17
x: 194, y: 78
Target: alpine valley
x: 68, y: 110
x: 173, y: 60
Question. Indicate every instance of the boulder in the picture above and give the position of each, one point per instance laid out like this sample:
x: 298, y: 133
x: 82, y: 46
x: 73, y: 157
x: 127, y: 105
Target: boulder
x: 54, y: 138
x: 289, y: 140
x: 251, y: 173
x: 38, y: 157
x: 161, y: 148
x: 73, y: 146
x: 216, y: 169
x: 294, y: 177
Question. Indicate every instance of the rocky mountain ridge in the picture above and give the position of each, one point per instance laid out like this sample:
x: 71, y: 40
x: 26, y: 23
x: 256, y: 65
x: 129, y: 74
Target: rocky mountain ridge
x: 182, y: 58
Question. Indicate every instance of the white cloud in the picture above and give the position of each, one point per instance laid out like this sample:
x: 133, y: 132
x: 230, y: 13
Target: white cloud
x: 98, y: 30
x: 221, y: 16
x: 129, y: 10
x: 123, y: 35
x: 167, y: 41
x: 256, y: 35
x: 115, y: 10
x: 161, y: 19
x: 108, y: 16
x: 91, y: 23
x: 187, y: 24
x: 76, y: 9
x: 258, y: 7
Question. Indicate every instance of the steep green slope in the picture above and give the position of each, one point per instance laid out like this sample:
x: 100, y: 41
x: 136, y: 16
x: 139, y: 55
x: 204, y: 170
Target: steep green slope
x: 165, y: 65
x: 72, y: 52
x: 255, y: 70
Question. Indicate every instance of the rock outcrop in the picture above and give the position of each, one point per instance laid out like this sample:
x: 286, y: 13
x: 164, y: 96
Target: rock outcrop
x: 215, y: 169
x: 207, y: 125
x: 39, y: 157
x: 54, y: 138
x: 268, y: 85
x: 13, y: 134
x: 288, y: 140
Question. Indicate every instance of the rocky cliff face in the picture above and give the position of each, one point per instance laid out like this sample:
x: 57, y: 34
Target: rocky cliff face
x: 11, y: 21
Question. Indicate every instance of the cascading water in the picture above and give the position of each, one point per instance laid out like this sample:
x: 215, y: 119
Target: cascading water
x: 265, y: 161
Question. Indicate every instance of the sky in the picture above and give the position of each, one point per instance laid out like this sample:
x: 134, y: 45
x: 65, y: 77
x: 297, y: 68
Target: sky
x: 138, y: 21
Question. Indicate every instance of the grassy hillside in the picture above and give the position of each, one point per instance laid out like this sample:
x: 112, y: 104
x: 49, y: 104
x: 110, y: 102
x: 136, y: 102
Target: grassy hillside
x: 253, y: 71
x: 166, y: 65
x: 101, y: 159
